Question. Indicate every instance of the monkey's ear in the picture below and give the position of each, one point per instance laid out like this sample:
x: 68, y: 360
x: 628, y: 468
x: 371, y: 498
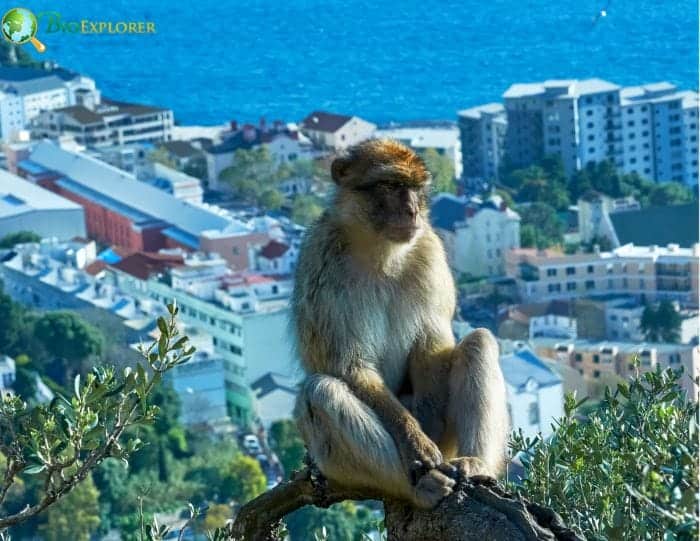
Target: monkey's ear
x: 340, y: 169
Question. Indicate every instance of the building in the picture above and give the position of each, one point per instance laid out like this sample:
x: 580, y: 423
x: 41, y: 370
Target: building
x: 650, y: 130
x: 285, y: 144
x: 121, y: 210
x: 180, y: 185
x: 594, y: 358
x: 623, y: 319
x: 105, y: 124
x: 554, y: 319
x: 330, y: 131
x: 277, y: 258
x: 8, y: 374
x: 535, y: 392
x: 246, y: 315
x: 647, y: 273
x: 182, y: 152
x: 443, y: 137
x: 469, y: 226
x: 482, y: 132
x: 27, y: 207
x: 130, y: 158
x: 675, y: 224
x: 26, y: 92
x: 275, y: 397
x: 201, y: 386
x: 594, y: 215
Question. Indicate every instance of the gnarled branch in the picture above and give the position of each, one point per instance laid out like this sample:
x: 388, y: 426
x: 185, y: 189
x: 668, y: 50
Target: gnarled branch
x: 477, y: 510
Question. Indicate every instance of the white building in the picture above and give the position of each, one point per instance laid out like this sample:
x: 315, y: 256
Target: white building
x: 535, y: 392
x: 26, y: 92
x: 275, y: 397
x: 24, y: 206
x: 482, y: 132
x: 277, y: 258
x: 472, y: 226
x: 181, y: 186
x: 594, y: 212
x: 651, y: 129
x: 442, y: 137
x: 330, y: 131
x: 8, y: 374
x: 108, y: 123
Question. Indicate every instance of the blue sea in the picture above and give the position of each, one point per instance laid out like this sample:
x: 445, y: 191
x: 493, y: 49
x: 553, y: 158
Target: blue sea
x: 216, y: 60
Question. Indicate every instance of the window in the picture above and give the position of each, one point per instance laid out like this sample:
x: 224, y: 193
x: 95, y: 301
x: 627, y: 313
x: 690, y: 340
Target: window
x: 551, y: 272
x: 571, y: 286
x: 590, y: 284
x: 596, y: 373
x: 570, y: 271
x: 533, y: 413
x: 596, y: 358
x: 235, y: 349
x: 578, y: 357
x: 590, y: 269
x: 235, y: 250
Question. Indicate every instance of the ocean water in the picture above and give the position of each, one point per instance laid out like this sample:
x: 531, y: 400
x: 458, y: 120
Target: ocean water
x: 216, y: 60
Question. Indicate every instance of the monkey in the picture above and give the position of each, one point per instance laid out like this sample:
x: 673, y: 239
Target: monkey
x: 389, y: 401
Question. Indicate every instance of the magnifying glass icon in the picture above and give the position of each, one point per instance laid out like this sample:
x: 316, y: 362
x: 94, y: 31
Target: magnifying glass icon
x: 19, y: 26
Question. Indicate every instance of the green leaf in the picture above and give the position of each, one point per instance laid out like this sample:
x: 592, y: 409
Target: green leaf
x: 33, y: 470
x: 76, y: 386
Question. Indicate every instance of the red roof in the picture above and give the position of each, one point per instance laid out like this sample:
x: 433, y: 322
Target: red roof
x: 145, y: 264
x: 96, y: 267
x: 274, y: 249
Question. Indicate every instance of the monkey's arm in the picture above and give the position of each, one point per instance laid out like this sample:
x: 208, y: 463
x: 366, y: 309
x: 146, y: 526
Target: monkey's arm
x: 419, y: 454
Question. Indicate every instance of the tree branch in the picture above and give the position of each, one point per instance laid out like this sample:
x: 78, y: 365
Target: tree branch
x: 478, y: 509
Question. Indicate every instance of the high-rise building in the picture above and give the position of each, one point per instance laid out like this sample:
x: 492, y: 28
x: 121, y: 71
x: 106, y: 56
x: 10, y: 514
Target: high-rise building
x: 482, y: 131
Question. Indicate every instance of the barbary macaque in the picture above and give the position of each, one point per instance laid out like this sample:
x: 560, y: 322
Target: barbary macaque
x: 389, y: 401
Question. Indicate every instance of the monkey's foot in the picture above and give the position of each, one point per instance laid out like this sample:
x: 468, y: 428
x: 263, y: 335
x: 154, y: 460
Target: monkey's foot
x: 469, y: 466
x: 431, y: 488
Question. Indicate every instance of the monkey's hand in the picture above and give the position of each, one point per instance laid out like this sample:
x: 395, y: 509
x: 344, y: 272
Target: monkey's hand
x: 422, y: 461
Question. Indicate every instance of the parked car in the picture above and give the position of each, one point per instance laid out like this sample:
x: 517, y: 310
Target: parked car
x: 251, y: 444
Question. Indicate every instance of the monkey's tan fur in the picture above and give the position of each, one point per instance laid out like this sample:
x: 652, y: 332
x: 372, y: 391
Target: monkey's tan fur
x: 372, y: 306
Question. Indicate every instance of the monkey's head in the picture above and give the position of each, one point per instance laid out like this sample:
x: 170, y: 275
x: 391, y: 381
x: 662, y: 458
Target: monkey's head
x: 384, y: 185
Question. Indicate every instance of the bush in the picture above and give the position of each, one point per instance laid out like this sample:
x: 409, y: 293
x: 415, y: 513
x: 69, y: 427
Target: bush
x: 629, y: 470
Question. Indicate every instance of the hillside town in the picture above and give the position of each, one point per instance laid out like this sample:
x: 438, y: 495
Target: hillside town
x: 568, y: 211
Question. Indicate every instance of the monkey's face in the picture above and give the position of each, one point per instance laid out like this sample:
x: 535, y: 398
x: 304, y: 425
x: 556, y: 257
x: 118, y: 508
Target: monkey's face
x: 385, y: 185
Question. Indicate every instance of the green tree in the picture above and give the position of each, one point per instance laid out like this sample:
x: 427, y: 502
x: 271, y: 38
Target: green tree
x: 441, y: 169
x: 661, y: 323
x: 76, y: 516
x: 244, y: 479
x: 669, y: 193
x: 196, y: 167
x: 305, y: 209
x: 162, y: 156
x: 252, y: 173
x: 628, y: 471
x: 69, y: 338
x: 19, y: 237
x: 216, y: 517
x: 287, y: 444
x: 546, y: 227
x: 271, y: 199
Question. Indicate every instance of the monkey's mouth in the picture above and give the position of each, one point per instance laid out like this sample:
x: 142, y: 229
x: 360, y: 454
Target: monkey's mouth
x: 401, y: 232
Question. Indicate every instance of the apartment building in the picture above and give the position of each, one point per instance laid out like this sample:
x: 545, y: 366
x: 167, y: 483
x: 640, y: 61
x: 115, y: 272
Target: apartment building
x: 105, y: 124
x: 648, y: 273
x: 651, y: 129
x: 482, y: 132
x: 593, y: 359
x: 469, y: 226
x: 247, y: 316
x: 26, y: 92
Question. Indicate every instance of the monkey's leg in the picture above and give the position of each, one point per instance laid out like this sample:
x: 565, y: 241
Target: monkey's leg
x: 351, y: 446
x: 477, y: 410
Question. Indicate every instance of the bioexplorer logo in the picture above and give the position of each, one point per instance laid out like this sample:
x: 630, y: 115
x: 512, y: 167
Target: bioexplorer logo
x: 19, y: 26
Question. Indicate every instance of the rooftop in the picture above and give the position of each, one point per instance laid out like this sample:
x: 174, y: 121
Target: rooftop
x: 31, y: 80
x: 564, y: 87
x: 624, y: 347
x: 422, y: 137
x: 522, y: 366
x: 324, y: 121
x: 107, y: 108
x: 113, y: 186
x: 447, y: 210
x: 481, y: 110
x: 18, y: 196
x: 678, y: 224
